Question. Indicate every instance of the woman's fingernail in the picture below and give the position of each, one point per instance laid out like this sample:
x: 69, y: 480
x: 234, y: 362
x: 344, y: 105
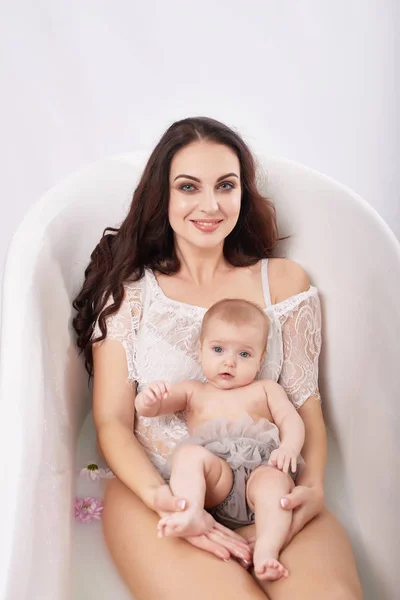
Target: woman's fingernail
x: 284, y: 502
x: 181, y: 504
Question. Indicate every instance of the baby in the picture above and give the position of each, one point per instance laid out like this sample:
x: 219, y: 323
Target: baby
x: 245, y: 436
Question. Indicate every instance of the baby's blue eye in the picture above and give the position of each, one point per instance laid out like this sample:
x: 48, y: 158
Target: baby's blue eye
x: 244, y: 354
x: 217, y: 349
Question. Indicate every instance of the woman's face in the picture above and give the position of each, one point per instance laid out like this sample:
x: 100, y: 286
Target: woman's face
x: 205, y: 194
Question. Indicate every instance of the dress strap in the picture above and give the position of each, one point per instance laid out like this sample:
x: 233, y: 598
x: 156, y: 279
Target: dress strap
x: 265, y: 282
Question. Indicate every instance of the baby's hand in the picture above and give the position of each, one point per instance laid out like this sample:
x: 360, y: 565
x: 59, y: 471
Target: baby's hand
x: 148, y: 401
x: 283, y: 458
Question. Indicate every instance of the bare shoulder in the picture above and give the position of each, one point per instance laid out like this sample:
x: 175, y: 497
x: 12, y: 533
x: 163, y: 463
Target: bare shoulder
x: 286, y: 279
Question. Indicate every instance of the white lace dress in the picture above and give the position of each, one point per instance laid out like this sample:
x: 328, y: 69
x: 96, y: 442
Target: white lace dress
x: 160, y: 340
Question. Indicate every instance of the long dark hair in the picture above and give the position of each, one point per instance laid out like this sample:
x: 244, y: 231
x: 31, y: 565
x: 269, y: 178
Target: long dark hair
x: 145, y: 238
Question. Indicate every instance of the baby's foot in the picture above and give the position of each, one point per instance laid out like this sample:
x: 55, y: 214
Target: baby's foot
x: 266, y: 563
x: 189, y: 522
x: 270, y: 569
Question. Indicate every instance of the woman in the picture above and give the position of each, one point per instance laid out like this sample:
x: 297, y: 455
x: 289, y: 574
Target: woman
x: 198, y: 231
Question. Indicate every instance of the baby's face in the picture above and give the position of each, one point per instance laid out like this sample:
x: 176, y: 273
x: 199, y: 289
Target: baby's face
x: 231, y: 355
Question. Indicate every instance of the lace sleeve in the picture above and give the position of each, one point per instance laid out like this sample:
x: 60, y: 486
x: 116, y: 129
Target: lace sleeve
x: 123, y: 324
x: 301, y: 336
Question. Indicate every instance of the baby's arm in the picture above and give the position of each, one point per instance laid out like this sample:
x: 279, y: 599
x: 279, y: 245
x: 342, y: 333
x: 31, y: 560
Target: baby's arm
x: 161, y: 398
x: 290, y: 425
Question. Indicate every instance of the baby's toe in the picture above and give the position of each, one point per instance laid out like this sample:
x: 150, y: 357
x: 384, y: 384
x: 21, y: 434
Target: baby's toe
x: 162, y: 522
x: 161, y: 531
x: 173, y: 528
x: 260, y: 569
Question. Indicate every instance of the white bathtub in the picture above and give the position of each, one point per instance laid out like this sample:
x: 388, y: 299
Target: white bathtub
x: 350, y: 254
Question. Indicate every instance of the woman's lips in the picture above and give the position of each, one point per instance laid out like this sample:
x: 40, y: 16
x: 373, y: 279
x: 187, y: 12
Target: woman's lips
x: 206, y: 225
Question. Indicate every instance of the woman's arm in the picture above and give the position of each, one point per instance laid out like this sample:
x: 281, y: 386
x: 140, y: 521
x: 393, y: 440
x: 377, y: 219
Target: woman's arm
x: 307, y: 498
x: 301, y: 336
x: 315, y: 447
x: 113, y: 412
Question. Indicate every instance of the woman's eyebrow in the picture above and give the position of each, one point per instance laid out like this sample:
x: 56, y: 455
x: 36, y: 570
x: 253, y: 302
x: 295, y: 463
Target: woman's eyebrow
x: 198, y: 180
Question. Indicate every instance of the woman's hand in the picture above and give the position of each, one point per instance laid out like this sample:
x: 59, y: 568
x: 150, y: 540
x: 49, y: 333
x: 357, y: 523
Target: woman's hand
x: 220, y: 541
x: 165, y: 503
x: 307, y: 502
x: 224, y: 543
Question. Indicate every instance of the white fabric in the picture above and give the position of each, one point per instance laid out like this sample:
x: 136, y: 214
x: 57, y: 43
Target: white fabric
x: 160, y: 338
x: 348, y: 252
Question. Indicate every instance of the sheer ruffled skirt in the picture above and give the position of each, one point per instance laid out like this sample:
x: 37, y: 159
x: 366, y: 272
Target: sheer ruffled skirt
x: 241, y: 443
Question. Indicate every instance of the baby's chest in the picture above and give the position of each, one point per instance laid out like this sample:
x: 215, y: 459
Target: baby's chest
x: 230, y: 405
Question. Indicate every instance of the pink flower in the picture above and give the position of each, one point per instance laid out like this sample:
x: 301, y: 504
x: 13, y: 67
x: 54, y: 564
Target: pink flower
x: 88, y: 509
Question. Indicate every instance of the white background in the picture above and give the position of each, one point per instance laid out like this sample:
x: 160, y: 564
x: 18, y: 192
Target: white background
x: 309, y: 80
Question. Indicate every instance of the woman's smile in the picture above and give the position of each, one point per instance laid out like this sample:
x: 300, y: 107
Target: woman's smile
x: 206, y: 225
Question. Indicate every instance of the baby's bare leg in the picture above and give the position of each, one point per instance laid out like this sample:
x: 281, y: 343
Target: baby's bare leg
x: 204, y: 480
x: 265, y: 488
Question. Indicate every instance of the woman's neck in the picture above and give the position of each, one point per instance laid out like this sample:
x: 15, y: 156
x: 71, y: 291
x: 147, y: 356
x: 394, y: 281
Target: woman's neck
x: 200, y: 265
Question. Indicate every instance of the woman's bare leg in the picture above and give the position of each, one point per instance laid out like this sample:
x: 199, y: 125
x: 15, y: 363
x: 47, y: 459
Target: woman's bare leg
x: 199, y: 476
x: 167, y: 568
x: 320, y: 561
x: 264, y: 489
